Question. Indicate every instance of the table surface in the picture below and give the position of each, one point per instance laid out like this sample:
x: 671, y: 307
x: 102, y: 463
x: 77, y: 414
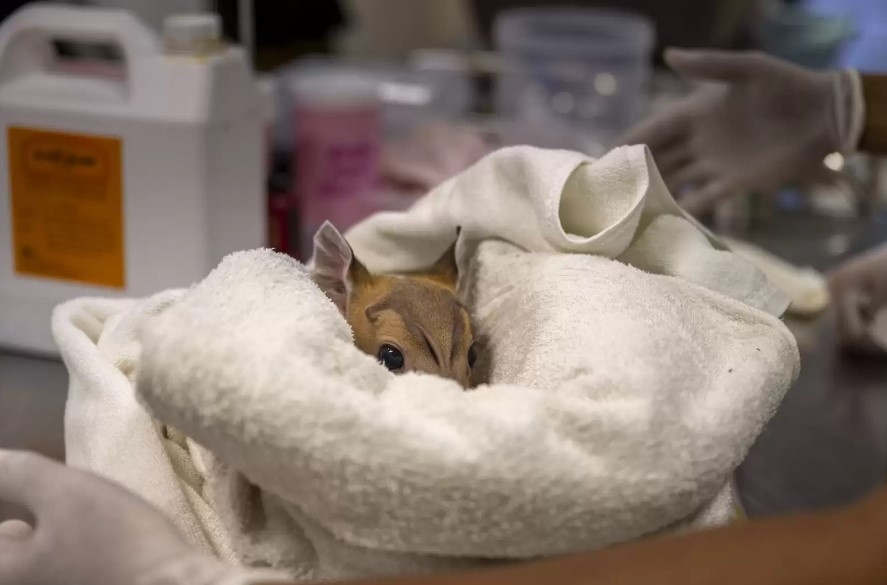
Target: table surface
x: 32, y: 404
x: 826, y: 445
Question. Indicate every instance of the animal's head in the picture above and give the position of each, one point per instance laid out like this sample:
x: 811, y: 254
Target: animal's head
x: 410, y: 323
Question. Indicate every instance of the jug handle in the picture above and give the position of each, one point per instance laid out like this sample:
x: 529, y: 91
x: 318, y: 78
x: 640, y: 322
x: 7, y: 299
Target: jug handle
x: 26, y: 36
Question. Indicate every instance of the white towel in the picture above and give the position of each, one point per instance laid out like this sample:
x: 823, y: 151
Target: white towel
x: 805, y: 286
x: 560, y: 201
x: 106, y: 429
x: 621, y: 402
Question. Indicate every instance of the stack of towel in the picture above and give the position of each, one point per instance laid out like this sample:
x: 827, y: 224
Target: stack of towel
x: 632, y: 360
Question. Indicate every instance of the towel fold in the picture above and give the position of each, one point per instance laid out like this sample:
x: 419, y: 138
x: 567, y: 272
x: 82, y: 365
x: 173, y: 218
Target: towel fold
x: 806, y: 287
x: 560, y: 201
x: 632, y: 360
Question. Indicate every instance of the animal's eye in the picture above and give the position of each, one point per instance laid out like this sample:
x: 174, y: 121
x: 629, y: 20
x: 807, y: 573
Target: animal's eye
x: 391, y: 357
x: 472, y: 355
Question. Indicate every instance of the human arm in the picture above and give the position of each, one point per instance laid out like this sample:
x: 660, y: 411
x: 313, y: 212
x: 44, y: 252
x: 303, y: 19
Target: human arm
x: 760, y: 124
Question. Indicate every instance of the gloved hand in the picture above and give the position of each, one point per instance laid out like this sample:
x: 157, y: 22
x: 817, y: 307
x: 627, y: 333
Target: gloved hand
x: 761, y: 124
x: 91, y: 532
x: 859, y: 293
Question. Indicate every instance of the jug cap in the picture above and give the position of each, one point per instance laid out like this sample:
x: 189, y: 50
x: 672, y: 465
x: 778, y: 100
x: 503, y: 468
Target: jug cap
x: 193, y: 34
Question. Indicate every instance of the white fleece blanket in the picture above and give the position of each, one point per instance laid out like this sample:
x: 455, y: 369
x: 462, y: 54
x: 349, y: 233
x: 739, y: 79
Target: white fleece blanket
x: 628, y: 378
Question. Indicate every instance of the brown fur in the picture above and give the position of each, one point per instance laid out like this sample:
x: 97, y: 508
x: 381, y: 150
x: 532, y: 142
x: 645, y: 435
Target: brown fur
x: 417, y: 313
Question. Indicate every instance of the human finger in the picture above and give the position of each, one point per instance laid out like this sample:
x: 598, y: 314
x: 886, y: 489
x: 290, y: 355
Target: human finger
x: 695, y: 172
x: 851, y: 324
x: 25, y: 478
x: 710, y: 194
x: 15, y: 530
x: 658, y: 130
x: 676, y: 156
x: 724, y: 66
x: 16, y: 551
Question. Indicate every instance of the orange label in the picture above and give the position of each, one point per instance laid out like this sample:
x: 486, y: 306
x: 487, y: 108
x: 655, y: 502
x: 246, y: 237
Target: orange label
x: 67, y: 206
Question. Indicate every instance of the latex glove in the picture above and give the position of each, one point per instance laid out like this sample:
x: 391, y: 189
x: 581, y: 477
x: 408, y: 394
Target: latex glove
x: 859, y: 291
x: 91, y: 532
x: 760, y: 124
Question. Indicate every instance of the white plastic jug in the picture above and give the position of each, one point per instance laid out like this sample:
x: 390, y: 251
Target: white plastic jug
x: 120, y: 186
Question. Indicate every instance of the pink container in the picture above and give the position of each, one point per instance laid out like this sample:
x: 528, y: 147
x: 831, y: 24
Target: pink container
x: 337, y: 121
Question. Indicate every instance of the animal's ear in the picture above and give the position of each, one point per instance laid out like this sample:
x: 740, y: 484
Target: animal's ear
x: 336, y: 270
x: 445, y: 270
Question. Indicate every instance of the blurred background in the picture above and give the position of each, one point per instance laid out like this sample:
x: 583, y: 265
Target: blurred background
x: 430, y: 86
x: 368, y: 104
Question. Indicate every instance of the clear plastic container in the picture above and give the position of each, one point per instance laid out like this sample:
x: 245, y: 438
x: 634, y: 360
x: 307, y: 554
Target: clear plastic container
x: 417, y: 95
x: 581, y: 74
